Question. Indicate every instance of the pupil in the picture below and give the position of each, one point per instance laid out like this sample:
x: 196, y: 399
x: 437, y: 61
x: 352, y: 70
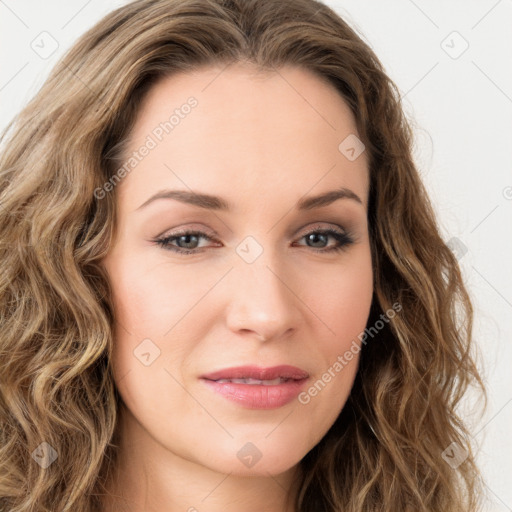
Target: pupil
x: 187, y: 241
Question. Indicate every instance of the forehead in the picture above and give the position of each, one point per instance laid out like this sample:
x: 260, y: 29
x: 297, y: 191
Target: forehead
x: 239, y: 93
x: 251, y: 132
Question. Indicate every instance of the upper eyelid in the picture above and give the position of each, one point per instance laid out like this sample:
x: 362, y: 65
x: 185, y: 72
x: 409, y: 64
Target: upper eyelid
x: 316, y: 226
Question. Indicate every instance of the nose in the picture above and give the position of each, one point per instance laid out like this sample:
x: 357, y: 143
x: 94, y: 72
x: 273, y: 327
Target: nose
x: 262, y: 302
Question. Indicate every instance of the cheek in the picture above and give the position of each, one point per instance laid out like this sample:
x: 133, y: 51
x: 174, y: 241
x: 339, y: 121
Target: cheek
x: 342, y: 298
x: 157, y: 308
x: 150, y: 296
x: 342, y: 302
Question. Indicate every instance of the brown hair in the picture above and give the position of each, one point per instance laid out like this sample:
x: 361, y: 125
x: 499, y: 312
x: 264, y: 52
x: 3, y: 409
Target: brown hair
x: 384, y: 452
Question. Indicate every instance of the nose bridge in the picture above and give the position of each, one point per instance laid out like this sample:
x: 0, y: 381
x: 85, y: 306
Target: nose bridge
x: 263, y: 301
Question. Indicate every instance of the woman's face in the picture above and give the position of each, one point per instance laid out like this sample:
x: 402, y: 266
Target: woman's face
x: 257, y: 289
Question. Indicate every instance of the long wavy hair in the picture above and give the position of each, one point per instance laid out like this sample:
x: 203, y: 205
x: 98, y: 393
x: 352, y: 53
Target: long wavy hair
x: 385, y: 451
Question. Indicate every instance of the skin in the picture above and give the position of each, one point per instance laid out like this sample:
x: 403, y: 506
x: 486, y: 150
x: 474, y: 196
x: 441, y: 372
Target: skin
x: 261, y: 142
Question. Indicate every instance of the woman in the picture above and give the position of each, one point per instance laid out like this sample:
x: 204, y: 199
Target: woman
x: 224, y: 287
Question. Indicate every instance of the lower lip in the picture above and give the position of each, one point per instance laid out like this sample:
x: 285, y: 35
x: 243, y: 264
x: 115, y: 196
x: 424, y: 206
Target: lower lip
x: 256, y: 396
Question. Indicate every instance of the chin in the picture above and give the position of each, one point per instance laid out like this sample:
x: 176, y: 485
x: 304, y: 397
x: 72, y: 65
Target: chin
x: 258, y: 458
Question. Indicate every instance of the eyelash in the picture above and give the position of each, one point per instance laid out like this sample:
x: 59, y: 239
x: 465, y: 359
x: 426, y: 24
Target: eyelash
x: 344, y: 240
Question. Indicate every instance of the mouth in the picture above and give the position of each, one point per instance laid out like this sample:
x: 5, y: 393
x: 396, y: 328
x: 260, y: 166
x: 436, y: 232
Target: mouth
x: 258, y: 388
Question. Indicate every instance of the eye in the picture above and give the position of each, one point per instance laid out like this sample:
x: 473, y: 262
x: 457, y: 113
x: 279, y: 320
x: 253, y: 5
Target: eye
x: 187, y: 242
x: 321, y: 236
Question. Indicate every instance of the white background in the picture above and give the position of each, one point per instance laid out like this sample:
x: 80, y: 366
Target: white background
x: 461, y: 107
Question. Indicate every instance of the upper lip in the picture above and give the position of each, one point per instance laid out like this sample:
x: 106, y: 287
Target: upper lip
x: 259, y: 373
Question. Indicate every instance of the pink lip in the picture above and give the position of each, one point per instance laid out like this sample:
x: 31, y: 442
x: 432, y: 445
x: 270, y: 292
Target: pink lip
x: 258, y: 396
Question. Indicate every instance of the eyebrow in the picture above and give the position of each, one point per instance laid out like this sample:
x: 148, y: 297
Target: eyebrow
x: 211, y: 202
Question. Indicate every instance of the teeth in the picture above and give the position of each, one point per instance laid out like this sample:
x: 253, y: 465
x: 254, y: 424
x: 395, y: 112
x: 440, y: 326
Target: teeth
x: 273, y: 382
